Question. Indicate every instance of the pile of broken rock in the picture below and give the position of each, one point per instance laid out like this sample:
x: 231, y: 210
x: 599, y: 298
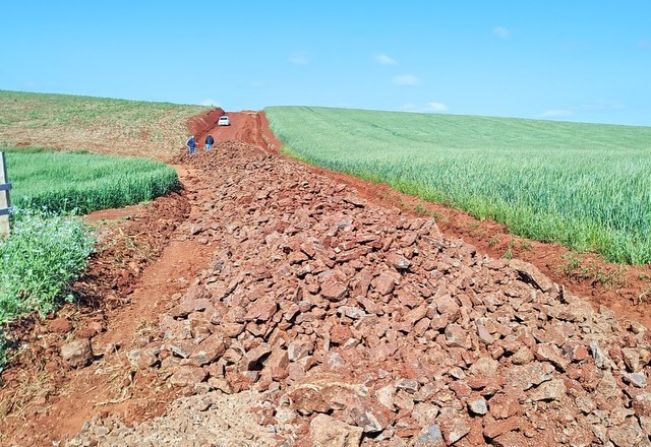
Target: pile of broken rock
x: 360, y: 324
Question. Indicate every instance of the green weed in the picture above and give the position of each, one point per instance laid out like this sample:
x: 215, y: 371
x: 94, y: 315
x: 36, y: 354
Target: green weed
x: 42, y: 256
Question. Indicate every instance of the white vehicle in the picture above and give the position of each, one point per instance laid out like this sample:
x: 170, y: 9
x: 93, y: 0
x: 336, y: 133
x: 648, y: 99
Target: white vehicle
x: 224, y: 121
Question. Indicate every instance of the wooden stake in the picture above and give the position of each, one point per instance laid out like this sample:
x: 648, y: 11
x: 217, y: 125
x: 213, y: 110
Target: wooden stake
x: 5, y: 203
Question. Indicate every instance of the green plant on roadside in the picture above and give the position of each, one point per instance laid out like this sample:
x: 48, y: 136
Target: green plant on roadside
x: 586, y: 186
x: 38, y: 262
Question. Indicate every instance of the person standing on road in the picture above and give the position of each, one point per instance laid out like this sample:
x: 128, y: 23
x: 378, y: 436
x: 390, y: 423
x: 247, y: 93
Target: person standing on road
x: 191, y: 144
x: 209, y: 142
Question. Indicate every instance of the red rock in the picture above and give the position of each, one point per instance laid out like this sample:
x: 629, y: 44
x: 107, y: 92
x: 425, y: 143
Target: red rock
x: 89, y: 330
x: 511, y: 439
x: 326, y: 431
x: 77, y: 353
x: 454, y: 428
x: 457, y: 337
x: 209, y: 350
x: 384, y: 284
x: 551, y: 353
x: 334, y: 290
x: 530, y: 273
x: 398, y: 262
x: 60, y: 326
x: 278, y: 363
x: 254, y: 356
x: 188, y: 376
x: 339, y: 334
x: 262, y: 310
x: 503, y: 406
x: 493, y: 429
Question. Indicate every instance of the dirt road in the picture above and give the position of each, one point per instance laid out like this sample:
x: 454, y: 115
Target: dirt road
x: 247, y: 127
x: 292, y: 308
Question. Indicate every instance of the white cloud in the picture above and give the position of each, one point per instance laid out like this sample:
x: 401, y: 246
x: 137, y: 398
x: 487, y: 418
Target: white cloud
x: 209, y: 103
x: 645, y: 44
x: 406, y: 79
x: 299, y: 58
x: 601, y: 106
x: 385, y: 59
x: 430, y: 107
x: 256, y: 84
x: 557, y: 113
x: 436, y: 106
x: 501, y: 32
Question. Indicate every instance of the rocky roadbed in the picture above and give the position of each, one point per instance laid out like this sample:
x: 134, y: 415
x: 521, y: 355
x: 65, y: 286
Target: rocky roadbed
x: 324, y: 320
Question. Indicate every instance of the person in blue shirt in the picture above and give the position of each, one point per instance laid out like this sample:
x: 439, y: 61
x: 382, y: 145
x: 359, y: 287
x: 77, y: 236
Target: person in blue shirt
x: 191, y: 144
x: 209, y: 142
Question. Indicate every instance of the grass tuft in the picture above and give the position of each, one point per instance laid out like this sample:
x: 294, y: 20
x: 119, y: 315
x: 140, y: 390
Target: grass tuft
x: 38, y: 262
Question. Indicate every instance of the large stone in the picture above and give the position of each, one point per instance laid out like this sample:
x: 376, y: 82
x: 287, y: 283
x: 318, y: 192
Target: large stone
x: 262, y: 310
x: 209, y: 350
x: 454, y: 428
x: 77, y: 353
x: 478, y: 406
x: 384, y: 284
x: 629, y: 434
x: 551, y: 353
x: 457, y: 337
x: 327, y: 431
x: 334, y: 290
x: 531, y: 274
x: 430, y: 436
x: 188, y: 376
x: 255, y: 356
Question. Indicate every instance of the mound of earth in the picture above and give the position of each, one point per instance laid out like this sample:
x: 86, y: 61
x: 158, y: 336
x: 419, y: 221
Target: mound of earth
x: 325, y: 320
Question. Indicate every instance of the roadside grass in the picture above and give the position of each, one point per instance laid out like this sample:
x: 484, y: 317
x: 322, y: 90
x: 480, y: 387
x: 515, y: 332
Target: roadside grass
x: 114, y: 126
x: 42, y: 256
x: 82, y: 182
x: 586, y: 186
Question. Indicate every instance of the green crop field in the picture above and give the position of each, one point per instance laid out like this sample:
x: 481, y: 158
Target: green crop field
x: 113, y: 126
x: 587, y: 186
x: 82, y: 182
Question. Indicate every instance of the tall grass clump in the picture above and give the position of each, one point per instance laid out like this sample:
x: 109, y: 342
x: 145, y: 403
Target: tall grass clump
x: 584, y: 185
x: 38, y: 262
x: 83, y: 182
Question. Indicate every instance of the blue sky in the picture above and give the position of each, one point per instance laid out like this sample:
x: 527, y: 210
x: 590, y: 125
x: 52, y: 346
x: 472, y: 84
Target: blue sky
x: 575, y: 60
